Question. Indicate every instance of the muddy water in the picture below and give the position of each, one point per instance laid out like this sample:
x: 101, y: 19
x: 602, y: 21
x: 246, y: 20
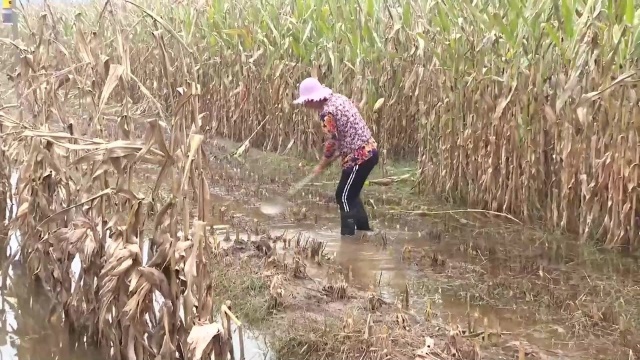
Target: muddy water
x: 29, y: 329
x: 382, y: 268
x: 27, y: 323
x: 30, y: 326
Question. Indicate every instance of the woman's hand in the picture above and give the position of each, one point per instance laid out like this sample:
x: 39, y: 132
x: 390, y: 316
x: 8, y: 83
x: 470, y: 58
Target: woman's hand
x: 324, y: 163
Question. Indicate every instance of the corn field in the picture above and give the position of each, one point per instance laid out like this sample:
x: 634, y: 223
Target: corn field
x: 79, y: 138
x: 518, y: 107
x: 522, y: 108
x: 512, y: 106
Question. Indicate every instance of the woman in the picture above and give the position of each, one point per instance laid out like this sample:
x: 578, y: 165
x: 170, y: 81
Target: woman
x: 347, y: 136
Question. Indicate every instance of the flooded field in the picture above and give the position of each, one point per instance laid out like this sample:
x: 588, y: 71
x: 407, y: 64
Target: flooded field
x: 426, y: 269
x: 441, y: 270
x: 135, y: 232
x: 32, y: 328
x: 374, y: 266
x: 31, y: 322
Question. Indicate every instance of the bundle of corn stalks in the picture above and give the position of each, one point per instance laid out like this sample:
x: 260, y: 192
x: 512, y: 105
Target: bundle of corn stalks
x: 140, y: 290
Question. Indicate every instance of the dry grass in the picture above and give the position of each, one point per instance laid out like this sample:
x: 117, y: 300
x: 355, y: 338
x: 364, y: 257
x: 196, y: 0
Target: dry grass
x: 240, y: 283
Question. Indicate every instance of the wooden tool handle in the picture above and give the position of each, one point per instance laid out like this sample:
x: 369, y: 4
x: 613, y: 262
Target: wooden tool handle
x: 294, y: 189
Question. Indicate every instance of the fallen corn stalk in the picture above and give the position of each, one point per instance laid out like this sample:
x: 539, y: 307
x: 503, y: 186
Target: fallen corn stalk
x: 427, y: 213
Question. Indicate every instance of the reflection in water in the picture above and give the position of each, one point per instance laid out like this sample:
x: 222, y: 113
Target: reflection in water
x: 30, y: 326
x: 30, y: 321
x: 371, y: 265
x: 384, y: 268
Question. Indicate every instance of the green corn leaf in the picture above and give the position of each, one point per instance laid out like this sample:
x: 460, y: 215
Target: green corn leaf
x: 407, y: 18
x: 568, y: 18
x: 630, y: 12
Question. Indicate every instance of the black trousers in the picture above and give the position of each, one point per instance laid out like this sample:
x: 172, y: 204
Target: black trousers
x: 351, y: 183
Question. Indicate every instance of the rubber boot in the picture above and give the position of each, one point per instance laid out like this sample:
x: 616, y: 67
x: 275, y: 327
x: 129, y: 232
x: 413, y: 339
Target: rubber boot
x: 347, y: 223
x: 361, y: 217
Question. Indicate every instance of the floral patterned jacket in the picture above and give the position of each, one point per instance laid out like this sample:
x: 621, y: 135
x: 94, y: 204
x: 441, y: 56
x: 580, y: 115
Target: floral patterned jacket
x: 346, y: 132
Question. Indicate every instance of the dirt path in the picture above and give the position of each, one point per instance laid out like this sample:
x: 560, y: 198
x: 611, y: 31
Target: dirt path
x: 505, y: 288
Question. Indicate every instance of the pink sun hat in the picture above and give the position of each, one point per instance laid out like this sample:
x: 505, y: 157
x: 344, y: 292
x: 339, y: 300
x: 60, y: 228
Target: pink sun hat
x: 312, y: 90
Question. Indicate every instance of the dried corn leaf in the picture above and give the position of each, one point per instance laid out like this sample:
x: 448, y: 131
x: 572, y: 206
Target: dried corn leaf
x: 200, y: 336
